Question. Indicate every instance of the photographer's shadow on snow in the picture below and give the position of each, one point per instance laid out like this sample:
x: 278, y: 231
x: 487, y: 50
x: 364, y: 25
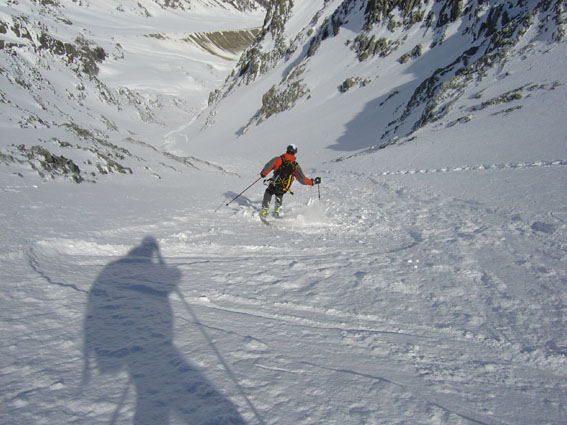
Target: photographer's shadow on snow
x: 129, y: 327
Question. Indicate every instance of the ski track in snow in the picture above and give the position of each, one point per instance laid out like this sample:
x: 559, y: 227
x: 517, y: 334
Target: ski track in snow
x: 428, y: 320
x: 482, y: 167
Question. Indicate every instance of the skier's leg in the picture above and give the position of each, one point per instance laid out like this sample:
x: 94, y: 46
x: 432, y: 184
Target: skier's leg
x: 278, y: 204
x: 267, y: 199
x: 266, y: 202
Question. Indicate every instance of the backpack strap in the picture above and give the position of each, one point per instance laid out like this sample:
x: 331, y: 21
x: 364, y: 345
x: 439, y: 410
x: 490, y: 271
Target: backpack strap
x: 284, y: 175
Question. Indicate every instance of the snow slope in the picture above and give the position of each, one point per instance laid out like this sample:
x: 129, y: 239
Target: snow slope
x: 97, y: 84
x: 425, y: 283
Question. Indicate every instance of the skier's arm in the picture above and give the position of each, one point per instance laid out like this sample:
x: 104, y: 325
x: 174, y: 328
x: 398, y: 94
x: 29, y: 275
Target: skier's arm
x: 301, y: 177
x: 272, y: 164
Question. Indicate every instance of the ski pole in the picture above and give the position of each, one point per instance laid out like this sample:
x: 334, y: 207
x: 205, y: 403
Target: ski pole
x: 219, y: 355
x: 319, y: 190
x: 237, y: 196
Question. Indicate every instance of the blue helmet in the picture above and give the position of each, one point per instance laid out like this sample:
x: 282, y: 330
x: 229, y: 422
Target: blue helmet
x: 292, y: 149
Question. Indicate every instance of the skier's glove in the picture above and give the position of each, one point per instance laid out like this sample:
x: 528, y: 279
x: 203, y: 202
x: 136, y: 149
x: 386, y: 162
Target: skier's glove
x: 317, y: 180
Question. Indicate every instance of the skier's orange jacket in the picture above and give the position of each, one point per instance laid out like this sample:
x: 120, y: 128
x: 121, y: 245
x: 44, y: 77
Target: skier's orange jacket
x: 275, y: 163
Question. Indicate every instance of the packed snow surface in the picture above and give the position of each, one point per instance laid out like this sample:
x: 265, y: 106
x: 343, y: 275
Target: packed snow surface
x: 417, y: 296
x: 393, y: 299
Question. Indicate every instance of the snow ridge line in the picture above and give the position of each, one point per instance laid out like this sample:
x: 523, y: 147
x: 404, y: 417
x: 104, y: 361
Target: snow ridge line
x: 34, y: 264
x: 481, y: 167
x: 417, y: 391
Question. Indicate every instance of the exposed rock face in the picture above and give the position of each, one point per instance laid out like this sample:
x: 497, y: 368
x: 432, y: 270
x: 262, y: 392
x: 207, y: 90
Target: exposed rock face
x: 493, y: 31
x: 222, y: 43
x: 71, y: 139
x: 52, y: 91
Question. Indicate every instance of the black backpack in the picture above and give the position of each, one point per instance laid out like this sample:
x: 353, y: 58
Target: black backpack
x: 284, y: 176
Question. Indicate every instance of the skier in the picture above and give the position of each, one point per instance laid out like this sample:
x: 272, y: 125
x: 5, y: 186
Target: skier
x: 285, y: 169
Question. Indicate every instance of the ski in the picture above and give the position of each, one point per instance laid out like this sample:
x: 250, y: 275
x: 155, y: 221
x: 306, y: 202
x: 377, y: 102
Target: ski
x: 273, y: 218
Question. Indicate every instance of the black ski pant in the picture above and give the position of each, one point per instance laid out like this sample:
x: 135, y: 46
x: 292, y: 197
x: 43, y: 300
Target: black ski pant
x: 271, y: 191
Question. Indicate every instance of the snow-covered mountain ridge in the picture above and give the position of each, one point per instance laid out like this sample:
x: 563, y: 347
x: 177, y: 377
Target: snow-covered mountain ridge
x: 75, y: 92
x: 414, y: 61
x: 409, y: 64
